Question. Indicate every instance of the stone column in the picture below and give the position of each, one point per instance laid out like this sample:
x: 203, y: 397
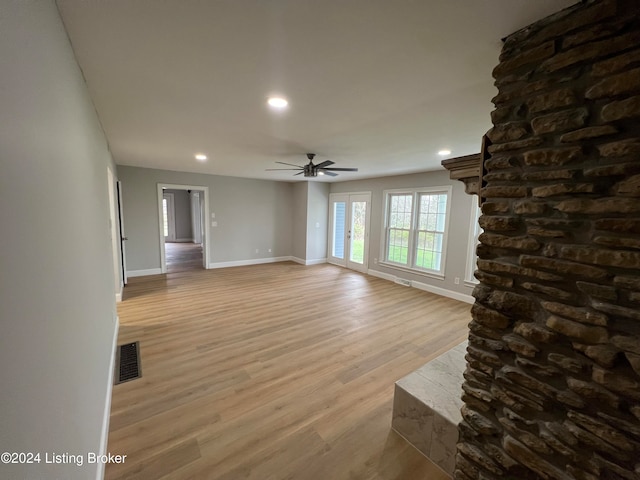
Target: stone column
x: 552, y: 388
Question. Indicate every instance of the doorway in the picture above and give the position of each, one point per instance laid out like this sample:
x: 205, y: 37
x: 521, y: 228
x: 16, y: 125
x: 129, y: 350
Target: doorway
x: 116, y: 231
x: 349, y: 215
x: 183, y: 211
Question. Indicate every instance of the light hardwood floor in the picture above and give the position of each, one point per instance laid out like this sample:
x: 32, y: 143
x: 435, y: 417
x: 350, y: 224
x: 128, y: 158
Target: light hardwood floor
x: 273, y: 372
x: 182, y: 257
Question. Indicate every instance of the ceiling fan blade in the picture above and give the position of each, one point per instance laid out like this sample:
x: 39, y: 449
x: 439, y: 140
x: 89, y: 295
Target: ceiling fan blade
x: 331, y: 174
x: 324, y: 164
x: 268, y: 169
x: 341, y: 169
x: 290, y: 164
x: 299, y: 173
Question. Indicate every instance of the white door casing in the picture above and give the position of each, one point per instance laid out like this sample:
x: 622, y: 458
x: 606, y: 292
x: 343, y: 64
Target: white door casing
x: 204, y: 210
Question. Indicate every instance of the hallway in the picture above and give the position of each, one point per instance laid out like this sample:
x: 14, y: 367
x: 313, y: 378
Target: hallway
x: 183, y: 257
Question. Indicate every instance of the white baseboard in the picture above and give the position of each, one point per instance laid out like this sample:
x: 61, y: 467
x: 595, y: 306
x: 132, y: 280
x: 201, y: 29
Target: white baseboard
x: 317, y: 261
x: 235, y: 263
x: 107, y: 404
x: 182, y: 240
x: 463, y: 297
x: 252, y: 261
x: 383, y: 275
x: 143, y: 273
x: 426, y: 287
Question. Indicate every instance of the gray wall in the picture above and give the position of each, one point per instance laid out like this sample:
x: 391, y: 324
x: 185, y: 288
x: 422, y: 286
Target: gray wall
x: 310, y: 217
x: 457, y: 245
x: 317, y: 220
x: 251, y: 214
x: 299, y: 237
x: 57, y: 286
x: 182, y: 207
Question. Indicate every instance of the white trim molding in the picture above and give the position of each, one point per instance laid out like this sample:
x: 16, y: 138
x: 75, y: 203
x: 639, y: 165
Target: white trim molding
x: 462, y: 297
x: 252, y: 261
x: 474, y: 232
x: 144, y: 273
x: 107, y: 404
x: 316, y: 261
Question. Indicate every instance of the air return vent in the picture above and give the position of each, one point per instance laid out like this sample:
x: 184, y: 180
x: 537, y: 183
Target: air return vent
x: 128, y: 362
x: 403, y: 281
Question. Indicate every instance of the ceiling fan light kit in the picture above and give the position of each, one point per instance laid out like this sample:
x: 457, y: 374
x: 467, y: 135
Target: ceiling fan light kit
x: 312, y: 170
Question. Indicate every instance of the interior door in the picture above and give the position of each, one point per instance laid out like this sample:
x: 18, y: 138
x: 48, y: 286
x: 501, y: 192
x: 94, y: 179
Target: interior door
x: 204, y: 223
x: 123, y: 237
x: 349, y: 230
x: 196, y: 217
x: 168, y: 214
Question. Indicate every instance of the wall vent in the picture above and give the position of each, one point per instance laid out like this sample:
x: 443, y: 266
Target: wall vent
x: 128, y: 362
x: 403, y: 281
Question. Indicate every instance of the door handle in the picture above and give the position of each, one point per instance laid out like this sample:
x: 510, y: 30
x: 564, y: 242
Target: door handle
x: 124, y: 238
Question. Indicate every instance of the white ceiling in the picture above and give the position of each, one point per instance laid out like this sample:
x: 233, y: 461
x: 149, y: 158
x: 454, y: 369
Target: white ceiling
x: 380, y: 85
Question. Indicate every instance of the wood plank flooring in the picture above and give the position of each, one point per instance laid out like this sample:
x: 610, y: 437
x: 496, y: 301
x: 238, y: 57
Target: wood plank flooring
x: 182, y: 257
x: 273, y: 372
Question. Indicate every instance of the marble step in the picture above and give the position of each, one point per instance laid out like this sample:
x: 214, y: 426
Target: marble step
x: 426, y: 407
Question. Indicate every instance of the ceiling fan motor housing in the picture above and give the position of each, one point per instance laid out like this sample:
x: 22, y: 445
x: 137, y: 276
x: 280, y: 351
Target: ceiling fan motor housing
x: 310, y: 170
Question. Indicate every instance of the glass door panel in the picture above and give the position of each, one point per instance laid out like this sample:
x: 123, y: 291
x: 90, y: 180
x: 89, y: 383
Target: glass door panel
x: 338, y: 237
x: 357, y: 231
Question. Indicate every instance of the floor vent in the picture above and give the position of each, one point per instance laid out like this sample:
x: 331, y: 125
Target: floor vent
x: 402, y: 281
x: 128, y: 362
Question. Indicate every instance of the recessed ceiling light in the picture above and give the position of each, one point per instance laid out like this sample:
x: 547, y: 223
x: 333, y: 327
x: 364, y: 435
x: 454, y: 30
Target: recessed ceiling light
x: 444, y: 152
x: 201, y: 157
x: 278, y: 102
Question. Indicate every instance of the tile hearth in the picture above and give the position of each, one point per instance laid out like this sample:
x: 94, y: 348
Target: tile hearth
x: 426, y: 407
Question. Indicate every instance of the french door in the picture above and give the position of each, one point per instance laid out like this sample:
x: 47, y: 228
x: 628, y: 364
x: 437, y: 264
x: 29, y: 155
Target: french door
x: 349, y: 230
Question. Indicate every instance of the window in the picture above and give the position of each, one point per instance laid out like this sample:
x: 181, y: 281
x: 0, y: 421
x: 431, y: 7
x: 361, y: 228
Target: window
x: 165, y: 217
x: 415, y: 229
x: 474, y: 233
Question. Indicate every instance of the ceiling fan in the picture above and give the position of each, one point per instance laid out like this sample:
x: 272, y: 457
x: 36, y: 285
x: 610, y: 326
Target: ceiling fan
x: 312, y: 170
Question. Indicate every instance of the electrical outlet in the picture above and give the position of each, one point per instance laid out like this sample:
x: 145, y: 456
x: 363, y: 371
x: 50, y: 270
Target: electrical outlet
x: 257, y: 251
x: 375, y: 260
x: 456, y: 280
x: 269, y: 250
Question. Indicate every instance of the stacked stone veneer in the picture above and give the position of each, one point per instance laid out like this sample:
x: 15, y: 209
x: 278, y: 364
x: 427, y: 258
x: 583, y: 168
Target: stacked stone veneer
x: 552, y: 388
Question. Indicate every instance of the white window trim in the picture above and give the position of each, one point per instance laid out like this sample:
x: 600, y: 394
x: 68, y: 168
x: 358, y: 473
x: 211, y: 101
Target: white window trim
x: 440, y: 275
x: 469, y: 279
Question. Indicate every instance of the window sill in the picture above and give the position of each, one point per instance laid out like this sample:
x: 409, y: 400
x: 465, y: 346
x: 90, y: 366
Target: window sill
x: 413, y: 271
x: 471, y: 283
